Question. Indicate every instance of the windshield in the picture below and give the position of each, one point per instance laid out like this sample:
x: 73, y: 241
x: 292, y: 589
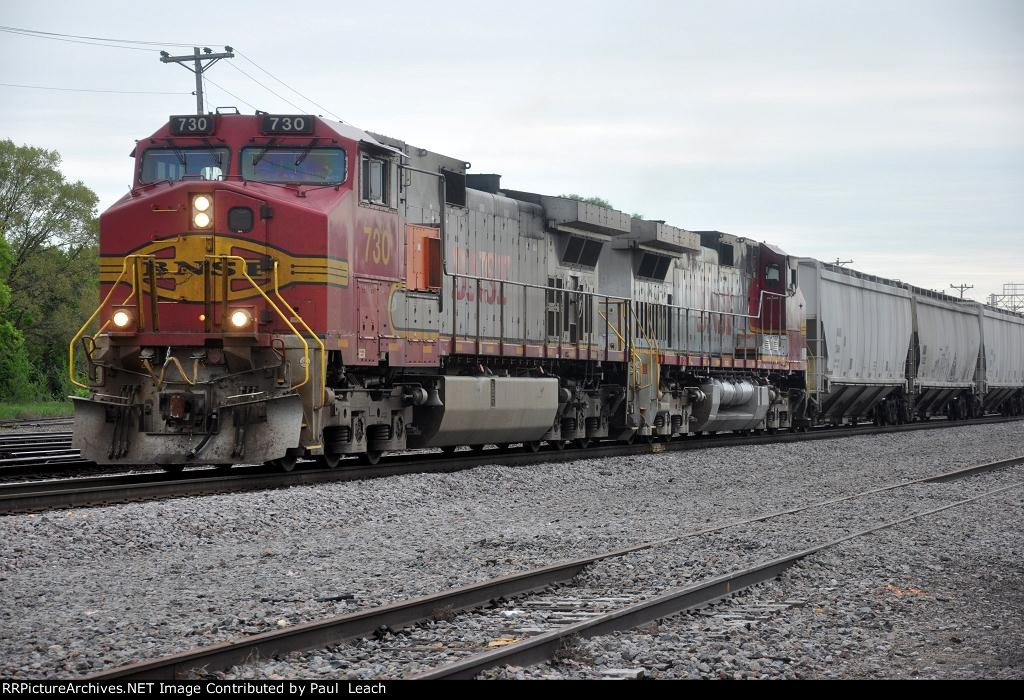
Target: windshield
x: 176, y: 163
x: 299, y: 165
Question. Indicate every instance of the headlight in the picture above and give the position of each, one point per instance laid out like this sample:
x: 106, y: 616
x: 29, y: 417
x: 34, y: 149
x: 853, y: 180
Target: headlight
x: 240, y: 318
x: 122, y: 318
x: 202, y: 210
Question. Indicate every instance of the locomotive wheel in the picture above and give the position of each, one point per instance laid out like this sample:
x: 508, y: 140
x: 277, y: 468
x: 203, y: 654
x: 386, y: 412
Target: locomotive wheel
x: 285, y: 464
x: 328, y: 460
x: 371, y: 457
x: 532, y: 446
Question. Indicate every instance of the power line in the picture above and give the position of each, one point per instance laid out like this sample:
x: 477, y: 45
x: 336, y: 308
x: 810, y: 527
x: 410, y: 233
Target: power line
x: 224, y: 89
x: 22, y: 30
x: 75, y: 41
x: 265, y: 87
x: 121, y: 92
x: 141, y: 45
x: 312, y: 102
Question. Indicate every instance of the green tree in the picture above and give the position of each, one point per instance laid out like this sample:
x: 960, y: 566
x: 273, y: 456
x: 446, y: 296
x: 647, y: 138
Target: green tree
x: 50, y: 231
x: 589, y: 200
x: 15, y: 369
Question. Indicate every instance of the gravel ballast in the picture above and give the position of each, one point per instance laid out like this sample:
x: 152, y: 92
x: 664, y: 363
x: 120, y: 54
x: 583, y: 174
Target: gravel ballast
x: 88, y: 589
x: 620, y: 581
x: 937, y: 598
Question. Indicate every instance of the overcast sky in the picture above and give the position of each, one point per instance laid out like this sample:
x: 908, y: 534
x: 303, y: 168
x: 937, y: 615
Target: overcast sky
x: 889, y: 133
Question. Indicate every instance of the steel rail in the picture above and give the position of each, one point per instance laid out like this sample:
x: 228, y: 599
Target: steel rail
x: 64, y: 435
x: 96, y: 491
x: 13, y: 423
x: 359, y: 624
x: 544, y: 646
x: 407, y: 613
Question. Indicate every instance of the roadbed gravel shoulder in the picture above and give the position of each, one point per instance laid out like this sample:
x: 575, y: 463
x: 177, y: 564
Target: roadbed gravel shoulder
x: 939, y: 598
x: 85, y: 590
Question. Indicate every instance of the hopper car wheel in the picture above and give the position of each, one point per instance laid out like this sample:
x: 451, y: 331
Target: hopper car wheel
x: 532, y: 446
x: 172, y: 468
x: 558, y: 444
x: 328, y: 460
x: 503, y: 446
x: 582, y: 443
x: 630, y: 440
x: 449, y: 449
x: 477, y: 448
x: 371, y: 457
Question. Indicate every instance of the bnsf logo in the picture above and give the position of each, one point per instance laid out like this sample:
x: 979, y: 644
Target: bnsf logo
x: 187, y: 268
x: 180, y: 268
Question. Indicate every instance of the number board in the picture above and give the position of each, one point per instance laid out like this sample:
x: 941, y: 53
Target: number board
x: 192, y: 124
x: 287, y: 124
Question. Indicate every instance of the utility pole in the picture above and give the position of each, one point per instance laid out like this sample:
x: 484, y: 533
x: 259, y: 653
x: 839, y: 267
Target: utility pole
x: 201, y: 61
x: 962, y: 288
x: 839, y: 263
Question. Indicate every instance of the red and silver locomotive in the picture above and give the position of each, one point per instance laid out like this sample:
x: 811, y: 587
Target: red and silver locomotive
x: 280, y: 286
x: 283, y: 286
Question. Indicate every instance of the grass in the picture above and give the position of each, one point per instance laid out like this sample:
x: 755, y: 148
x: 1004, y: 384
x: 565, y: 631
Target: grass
x: 35, y: 409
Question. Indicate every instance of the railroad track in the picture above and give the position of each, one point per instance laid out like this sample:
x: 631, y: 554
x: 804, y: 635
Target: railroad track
x: 34, y: 453
x: 584, y: 614
x: 34, y: 496
x: 35, y: 422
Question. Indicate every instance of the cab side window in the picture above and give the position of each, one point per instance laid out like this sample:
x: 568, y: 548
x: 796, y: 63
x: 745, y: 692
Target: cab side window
x: 772, y: 274
x: 375, y: 180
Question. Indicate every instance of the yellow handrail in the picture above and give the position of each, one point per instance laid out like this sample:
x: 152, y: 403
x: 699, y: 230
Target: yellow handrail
x: 607, y: 321
x: 653, y: 350
x: 106, y: 299
x: 242, y: 266
x: 323, y: 348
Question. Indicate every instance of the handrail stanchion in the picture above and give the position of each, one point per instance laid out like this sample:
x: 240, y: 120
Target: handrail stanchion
x: 323, y: 348
x: 281, y: 314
